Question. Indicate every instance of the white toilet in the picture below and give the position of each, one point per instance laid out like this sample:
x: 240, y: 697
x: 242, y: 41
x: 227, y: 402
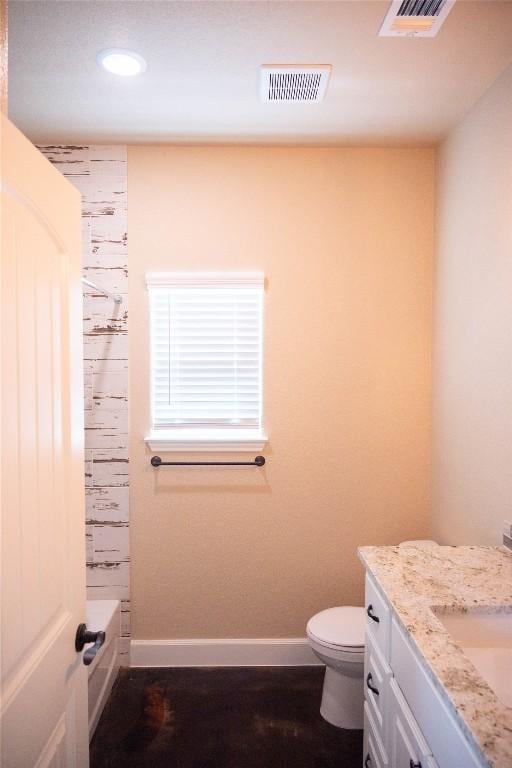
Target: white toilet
x: 336, y: 636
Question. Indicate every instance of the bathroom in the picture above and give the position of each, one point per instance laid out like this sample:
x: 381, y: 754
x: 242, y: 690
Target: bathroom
x: 324, y: 284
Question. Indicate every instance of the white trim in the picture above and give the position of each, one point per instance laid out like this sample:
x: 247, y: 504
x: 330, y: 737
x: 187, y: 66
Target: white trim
x: 217, y: 440
x: 205, y: 279
x: 258, y: 652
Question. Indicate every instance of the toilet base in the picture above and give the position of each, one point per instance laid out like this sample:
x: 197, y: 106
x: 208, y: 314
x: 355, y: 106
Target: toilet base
x: 342, y: 700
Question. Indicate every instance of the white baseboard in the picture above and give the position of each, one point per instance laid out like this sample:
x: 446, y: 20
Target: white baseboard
x: 259, y: 652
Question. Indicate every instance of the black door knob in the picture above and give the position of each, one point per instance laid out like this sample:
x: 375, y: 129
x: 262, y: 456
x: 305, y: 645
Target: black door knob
x: 83, y: 636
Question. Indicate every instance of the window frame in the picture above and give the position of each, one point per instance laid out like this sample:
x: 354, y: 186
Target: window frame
x: 200, y: 438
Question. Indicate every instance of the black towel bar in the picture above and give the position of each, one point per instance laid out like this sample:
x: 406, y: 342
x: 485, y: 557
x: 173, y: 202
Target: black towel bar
x: 156, y: 461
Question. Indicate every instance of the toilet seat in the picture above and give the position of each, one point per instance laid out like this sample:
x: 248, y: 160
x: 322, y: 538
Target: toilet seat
x: 340, y: 629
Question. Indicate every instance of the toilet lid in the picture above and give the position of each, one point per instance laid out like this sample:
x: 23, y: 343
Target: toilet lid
x: 343, y: 627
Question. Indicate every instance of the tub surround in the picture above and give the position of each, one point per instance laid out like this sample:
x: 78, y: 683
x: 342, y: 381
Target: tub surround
x: 448, y: 579
x: 99, y: 173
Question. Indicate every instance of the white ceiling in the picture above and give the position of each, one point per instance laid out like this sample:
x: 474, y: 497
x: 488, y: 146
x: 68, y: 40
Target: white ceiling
x: 201, y: 83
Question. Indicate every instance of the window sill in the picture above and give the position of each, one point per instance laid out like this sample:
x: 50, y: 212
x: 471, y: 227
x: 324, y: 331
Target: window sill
x: 207, y: 440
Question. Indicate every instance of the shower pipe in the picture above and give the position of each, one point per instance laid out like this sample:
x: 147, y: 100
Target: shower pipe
x: 116, y: 297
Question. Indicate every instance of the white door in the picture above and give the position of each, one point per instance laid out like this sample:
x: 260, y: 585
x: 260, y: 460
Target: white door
x: 43, y: 680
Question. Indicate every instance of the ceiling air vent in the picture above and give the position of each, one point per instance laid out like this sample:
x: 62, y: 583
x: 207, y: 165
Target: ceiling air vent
x: 415, y: 18
x: 294, y: 82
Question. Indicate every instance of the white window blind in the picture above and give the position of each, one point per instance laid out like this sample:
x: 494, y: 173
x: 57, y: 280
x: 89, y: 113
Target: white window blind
x: 206, y: 342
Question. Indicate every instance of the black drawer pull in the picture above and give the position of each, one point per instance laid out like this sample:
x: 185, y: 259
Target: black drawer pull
x: 371, y: 614
x: 370, y: 686
x: 367, y: 761
x: 412, y: 764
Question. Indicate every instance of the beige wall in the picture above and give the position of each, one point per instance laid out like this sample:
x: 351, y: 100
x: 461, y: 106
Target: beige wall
x: 345, y: 238
x: 472, y: 371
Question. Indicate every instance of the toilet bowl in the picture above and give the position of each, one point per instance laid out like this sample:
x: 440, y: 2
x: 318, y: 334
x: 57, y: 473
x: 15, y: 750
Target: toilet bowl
x: 336, y: 636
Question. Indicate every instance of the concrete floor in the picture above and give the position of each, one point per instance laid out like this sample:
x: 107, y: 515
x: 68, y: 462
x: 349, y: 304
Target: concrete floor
x: 235, y: 717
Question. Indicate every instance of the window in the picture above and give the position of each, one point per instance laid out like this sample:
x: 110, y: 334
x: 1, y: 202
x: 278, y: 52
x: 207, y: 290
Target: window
x: 206, y: 360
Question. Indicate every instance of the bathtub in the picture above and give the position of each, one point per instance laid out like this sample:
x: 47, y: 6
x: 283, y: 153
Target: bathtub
x: 103, y: 615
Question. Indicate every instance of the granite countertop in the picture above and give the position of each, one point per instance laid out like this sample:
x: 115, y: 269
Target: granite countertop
x: 447, y: 579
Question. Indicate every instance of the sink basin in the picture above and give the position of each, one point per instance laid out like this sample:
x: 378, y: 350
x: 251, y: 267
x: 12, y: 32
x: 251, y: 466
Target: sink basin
x: 486, y: 639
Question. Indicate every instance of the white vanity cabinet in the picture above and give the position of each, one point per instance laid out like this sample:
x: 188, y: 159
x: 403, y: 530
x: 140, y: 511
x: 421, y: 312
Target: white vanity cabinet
x: 407, y: 747
x: 406, y: 722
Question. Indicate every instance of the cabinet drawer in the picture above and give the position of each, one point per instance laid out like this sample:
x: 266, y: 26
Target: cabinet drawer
x: 377, y: 675
x: 374, y: 754
x: 377, y: 617
x: 445, y: 739
x: 406, y: 743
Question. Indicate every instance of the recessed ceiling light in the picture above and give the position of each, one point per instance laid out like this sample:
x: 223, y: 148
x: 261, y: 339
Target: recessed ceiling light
x: 121, y: 62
